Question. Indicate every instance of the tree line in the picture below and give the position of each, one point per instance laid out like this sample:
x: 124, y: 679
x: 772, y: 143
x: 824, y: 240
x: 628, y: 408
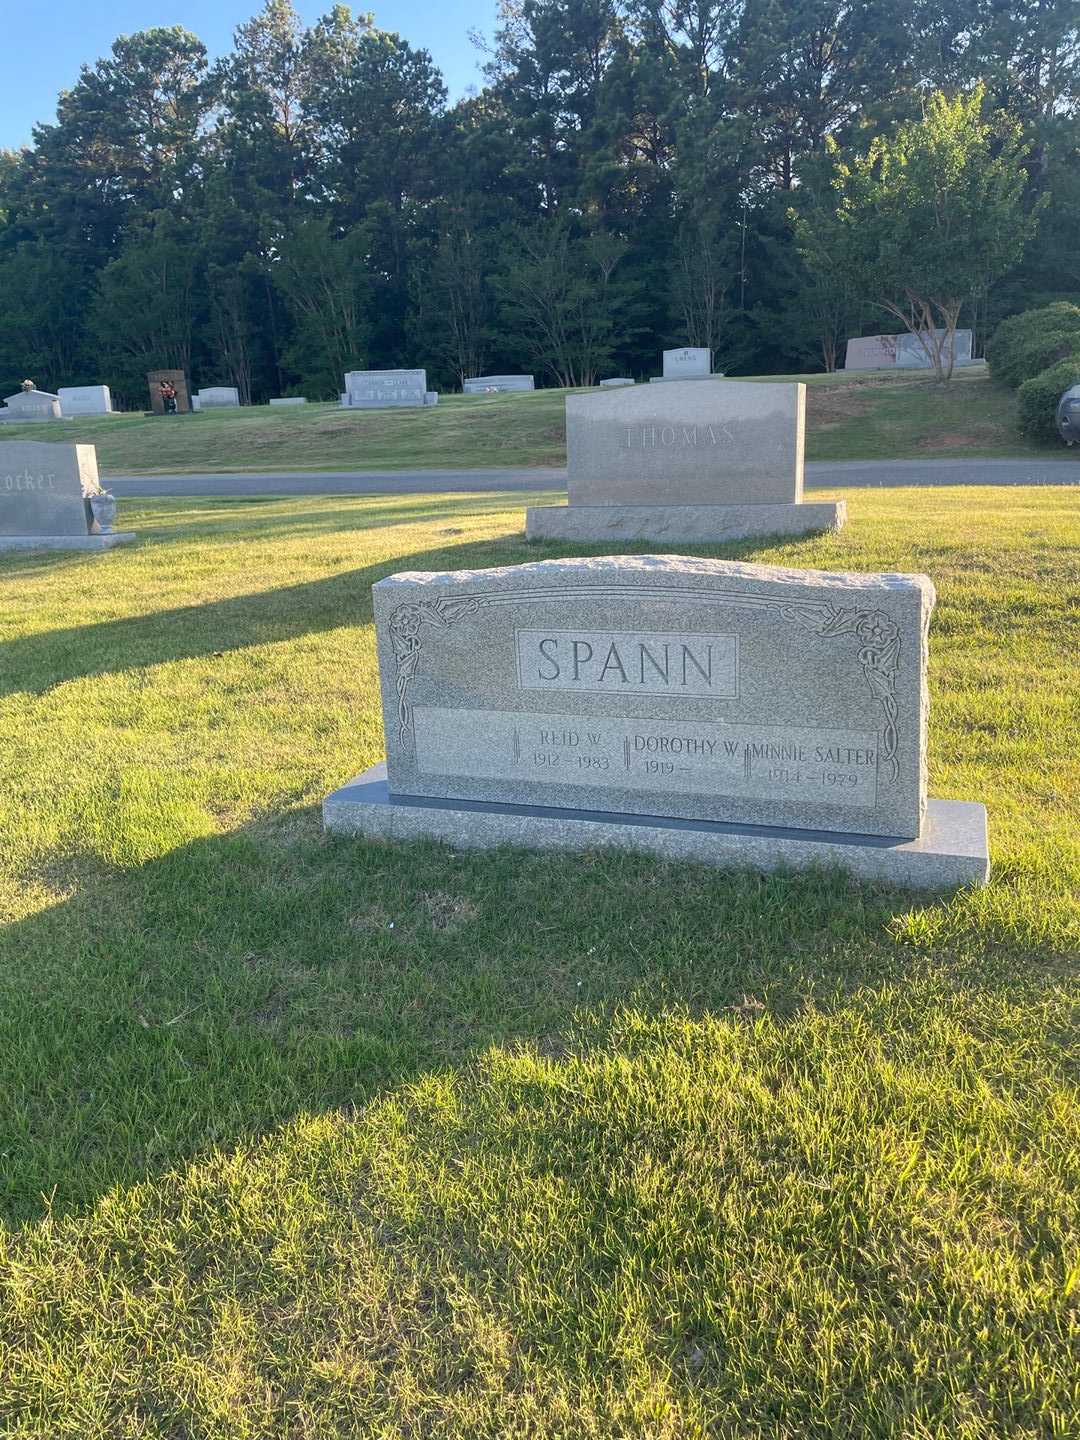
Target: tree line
x: 633, y: 174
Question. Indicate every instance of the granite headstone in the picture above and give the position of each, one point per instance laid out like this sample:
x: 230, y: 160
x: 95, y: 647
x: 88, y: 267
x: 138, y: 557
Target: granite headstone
x: 386, y: 389
x: 669, y: 689
x: 47, y: 498
x: 85, y: 400
x: 691, y: 362
x: 218, y: 397
x: 497, y: 384
x: 901, y: 352
x: 178, y: 380
x: 685, y: 462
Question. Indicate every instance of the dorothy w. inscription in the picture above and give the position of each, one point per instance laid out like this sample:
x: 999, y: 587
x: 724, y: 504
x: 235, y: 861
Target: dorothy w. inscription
x: 661, y: 685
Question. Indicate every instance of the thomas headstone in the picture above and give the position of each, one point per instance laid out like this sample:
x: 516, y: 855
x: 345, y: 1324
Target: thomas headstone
x: 178, y: 380
x: 497, y: 384
x: 46, y: 495
x: 615, y: 382
x: 685, y: 462
x: 286, y: 400
x: 664, y: 703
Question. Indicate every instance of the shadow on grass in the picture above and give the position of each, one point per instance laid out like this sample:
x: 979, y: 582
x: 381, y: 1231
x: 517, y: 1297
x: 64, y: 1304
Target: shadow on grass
x: 219, y: 520
x: 32, y: 664
x: 214, y: 993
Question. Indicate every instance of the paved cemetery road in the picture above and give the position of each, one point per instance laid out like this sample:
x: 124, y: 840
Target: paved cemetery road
x: 820, y: 475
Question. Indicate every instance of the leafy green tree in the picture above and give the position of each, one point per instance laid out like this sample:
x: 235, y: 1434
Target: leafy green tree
x: 808, y: 69
x: 379, y: 118
x: 559, y: 295
x: 322, y: 276
x: 126, y: 136
x: 705, y: 274
x: 143, y: 313
x: 930, y: 216
x: 454, y: 308
x: 42, y: 334
x: 264, y: 136
x: 548, y: 69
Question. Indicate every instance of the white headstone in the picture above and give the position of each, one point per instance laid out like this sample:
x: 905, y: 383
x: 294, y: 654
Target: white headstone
x: 85, y: 400
x: 497, y: 384
x: 385, y: 389
x: 689, y: 363
x: 31, y: 405
x: 219, y: 397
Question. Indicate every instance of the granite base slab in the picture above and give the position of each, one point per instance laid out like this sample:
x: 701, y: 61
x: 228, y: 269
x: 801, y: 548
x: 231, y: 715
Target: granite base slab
x: 952, y: 851
x: 66, y: 542
x: 681, y: 524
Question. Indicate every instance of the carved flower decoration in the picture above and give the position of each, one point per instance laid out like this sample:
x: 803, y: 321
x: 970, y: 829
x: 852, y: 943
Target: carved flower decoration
x: 406, y: 623
x: 876, y: 631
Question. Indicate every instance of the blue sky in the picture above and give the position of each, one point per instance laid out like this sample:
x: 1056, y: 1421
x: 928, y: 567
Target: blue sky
x: 44, y: 46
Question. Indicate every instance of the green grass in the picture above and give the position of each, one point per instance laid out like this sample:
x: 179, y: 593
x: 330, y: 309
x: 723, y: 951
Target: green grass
x: 848, y: 418
x: 309, y: 1137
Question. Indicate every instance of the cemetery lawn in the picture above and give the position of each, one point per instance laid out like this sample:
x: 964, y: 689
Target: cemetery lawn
x: 849, y: 417
x: 311, y: 1137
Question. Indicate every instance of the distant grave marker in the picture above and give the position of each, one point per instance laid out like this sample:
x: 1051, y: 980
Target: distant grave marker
x: 51, y: 498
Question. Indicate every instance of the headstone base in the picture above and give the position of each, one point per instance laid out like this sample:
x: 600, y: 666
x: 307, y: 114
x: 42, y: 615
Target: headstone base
x: 680, y: 524
x: 66, y: 542
x: 952, y: 851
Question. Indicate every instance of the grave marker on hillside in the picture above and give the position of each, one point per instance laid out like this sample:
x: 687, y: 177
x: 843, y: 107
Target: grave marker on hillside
x: 685, y: 462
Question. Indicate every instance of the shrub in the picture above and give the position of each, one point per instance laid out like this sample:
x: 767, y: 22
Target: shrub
x: 1039, y: 397
x: 1023, y: 346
